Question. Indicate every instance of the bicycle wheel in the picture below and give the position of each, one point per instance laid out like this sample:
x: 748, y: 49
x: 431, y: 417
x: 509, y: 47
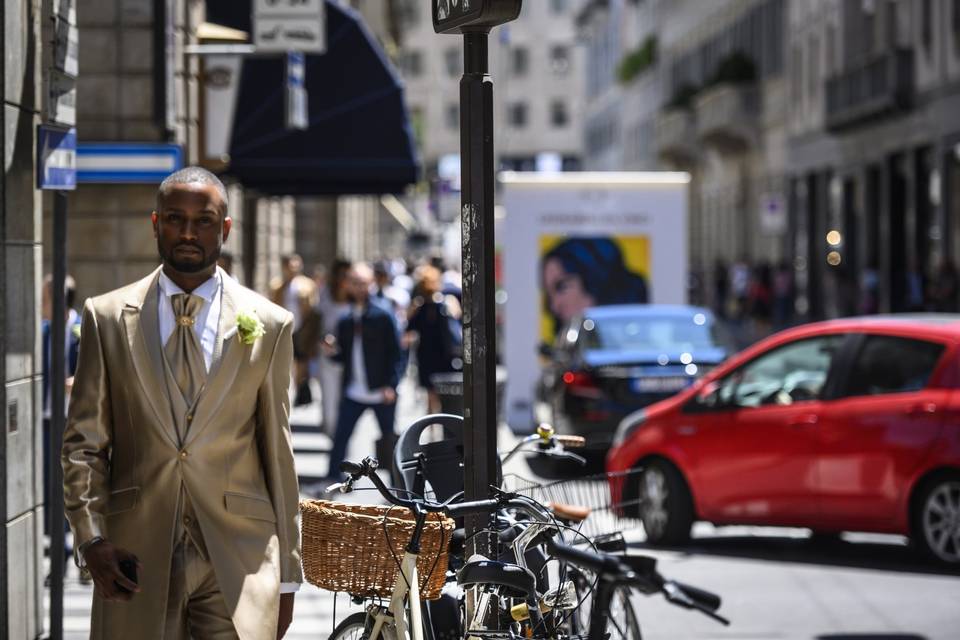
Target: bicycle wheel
x: 353, y: 627
x: 622, y: 623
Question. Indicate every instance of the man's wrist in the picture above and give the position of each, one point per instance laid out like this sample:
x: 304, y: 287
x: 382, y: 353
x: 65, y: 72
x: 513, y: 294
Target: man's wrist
x: 82, y: 549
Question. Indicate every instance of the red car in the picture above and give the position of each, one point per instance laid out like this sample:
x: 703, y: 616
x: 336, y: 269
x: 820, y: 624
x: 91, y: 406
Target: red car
x: 847, y: 425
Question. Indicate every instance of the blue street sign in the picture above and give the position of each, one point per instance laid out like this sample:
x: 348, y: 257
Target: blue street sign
x: 57, y: 158
x: 117, y: 162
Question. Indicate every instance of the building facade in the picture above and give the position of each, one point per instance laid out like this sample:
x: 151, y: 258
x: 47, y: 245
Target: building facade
x: 699, y: 88
x: 537, y: 69
x: 874, y: 154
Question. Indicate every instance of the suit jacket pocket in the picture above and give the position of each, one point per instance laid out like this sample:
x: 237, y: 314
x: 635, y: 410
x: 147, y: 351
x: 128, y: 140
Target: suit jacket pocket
x: 249, y: 506
x: 122, y: 500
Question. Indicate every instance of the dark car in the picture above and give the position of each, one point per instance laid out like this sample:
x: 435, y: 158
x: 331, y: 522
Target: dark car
x: 847, y: 425
x: 619, y: 358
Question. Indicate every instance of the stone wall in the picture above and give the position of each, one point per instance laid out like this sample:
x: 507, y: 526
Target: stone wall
x: 20, y: 251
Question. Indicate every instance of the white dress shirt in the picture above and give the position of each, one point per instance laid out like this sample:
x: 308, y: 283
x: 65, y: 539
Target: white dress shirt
x: 208, y: 319
x: 206, y: 326
x: 358, y: 389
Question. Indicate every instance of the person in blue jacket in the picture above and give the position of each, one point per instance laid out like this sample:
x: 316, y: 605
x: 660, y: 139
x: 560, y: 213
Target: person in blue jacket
x: 368, y: 346
x: 72, y: 348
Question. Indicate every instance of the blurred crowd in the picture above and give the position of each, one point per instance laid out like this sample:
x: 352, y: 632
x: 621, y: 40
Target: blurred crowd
x: 358, y: 327
x: 756, y: 299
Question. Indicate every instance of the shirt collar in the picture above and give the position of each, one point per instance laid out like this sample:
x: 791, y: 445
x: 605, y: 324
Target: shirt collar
x: 207, y: 290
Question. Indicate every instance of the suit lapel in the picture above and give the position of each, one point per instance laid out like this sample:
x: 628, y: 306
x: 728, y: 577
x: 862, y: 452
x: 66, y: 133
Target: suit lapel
x: 228, y: 354
x: 142, y: 326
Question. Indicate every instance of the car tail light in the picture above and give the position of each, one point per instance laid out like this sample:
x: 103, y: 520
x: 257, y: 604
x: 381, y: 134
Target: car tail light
x: 581, y: 383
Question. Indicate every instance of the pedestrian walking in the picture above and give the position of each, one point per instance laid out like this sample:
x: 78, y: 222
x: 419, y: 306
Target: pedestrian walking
x: 306, y: 337
x: 179, y: 478
x: 282, y: 290
x: 782, y: 295
x: 368, y: 347
x: 760, y: 300
x: 333, y: 305
x: 721, y: 289
x: 392, y: 298
x: 740, y: 288
x: 945, y: 287
x: 71, y: 340
x: 434, y: 326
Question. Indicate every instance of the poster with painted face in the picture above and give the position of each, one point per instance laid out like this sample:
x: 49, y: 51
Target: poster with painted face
x: 588, y: 271
x: 575, y: 240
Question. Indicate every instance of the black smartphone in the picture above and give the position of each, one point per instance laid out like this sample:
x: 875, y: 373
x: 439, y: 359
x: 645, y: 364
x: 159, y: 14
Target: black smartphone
x: 128, y: 568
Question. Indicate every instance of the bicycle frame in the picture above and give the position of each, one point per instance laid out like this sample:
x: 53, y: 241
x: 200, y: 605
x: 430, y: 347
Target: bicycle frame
x: 407, y: 583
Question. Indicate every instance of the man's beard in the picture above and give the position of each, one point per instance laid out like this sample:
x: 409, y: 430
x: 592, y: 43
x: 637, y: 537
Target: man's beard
x: 182, y: 266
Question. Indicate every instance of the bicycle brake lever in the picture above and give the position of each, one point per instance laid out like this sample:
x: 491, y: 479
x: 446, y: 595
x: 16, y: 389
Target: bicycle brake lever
x: 337, y: 486
x: 716, y: 617
x: 572, y: 456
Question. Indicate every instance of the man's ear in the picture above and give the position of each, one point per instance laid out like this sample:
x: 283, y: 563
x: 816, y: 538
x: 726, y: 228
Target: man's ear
x: 154, y: 218
x: 227, y: 225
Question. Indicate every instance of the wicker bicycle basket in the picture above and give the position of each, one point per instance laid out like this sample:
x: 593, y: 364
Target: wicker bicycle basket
x: 357, y: 549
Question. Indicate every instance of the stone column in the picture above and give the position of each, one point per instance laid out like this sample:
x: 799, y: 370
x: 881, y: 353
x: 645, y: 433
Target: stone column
x: 21, y: 558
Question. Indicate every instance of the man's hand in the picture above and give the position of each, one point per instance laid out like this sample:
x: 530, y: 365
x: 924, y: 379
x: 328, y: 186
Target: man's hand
x: 329, y: 345
x: 286, y: 614
x: 103, y: 561
x: 389, y: 395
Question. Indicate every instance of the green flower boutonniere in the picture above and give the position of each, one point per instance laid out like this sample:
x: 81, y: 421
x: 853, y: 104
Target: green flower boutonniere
x: 249, y: 327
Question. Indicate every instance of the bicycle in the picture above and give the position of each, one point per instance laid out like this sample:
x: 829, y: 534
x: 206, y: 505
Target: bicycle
x: 390, y: 622
x: 429, y: 467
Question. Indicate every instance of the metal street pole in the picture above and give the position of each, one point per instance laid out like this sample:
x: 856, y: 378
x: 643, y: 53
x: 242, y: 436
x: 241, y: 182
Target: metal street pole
x: 479, y: 319
x: 57, y: 380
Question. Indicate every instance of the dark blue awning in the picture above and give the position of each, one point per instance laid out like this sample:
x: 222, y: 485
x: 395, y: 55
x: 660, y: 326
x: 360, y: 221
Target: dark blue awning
x: 359, y: 139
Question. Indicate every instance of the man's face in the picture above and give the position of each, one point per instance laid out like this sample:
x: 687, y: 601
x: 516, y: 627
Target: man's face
x: 358, y: 285
x: 292, y: 268
x: 191, y: 227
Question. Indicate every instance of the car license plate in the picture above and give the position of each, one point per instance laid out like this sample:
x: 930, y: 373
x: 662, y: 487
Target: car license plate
x: 664, y: 384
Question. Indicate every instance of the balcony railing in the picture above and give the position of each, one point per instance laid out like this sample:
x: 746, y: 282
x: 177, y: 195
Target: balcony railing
x: 883, y: 84
x: 727, y: 116
x: 674, y: 135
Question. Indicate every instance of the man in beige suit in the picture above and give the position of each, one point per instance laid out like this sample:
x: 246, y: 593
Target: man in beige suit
x: 177, y: 457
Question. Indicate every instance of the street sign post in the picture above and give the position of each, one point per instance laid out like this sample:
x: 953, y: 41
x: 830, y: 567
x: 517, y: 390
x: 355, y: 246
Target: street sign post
x: 289, y: 25
x: 56, y: 170
x: 461, y: 16
x: 296, y: 91
x: 474, y: 19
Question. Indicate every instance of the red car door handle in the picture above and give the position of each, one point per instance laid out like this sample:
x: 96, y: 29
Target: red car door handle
x: 804, y: 421
x: 922, y: 408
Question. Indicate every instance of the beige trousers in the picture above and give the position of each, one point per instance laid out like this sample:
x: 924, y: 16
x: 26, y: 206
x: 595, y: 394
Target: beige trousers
x: 195, y: 607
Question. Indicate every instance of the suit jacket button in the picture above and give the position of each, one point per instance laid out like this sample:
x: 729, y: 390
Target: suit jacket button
x: 183, y: 455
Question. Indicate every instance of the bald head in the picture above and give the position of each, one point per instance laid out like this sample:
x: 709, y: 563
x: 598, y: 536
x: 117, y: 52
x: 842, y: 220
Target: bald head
x: 359, y: 281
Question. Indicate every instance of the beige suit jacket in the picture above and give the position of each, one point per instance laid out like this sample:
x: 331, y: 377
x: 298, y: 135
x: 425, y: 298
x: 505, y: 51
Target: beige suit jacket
x: 124, y: 463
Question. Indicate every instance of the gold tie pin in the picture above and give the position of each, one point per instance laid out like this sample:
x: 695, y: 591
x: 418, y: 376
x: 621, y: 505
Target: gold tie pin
x: 185, y: 321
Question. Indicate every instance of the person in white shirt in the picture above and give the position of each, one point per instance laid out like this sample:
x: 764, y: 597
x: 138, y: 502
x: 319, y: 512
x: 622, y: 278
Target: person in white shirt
x: 368, y: 346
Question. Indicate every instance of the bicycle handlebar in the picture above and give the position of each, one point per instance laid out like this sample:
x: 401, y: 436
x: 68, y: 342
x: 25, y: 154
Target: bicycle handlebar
x: 368, y: 466
x: 640, y: 572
